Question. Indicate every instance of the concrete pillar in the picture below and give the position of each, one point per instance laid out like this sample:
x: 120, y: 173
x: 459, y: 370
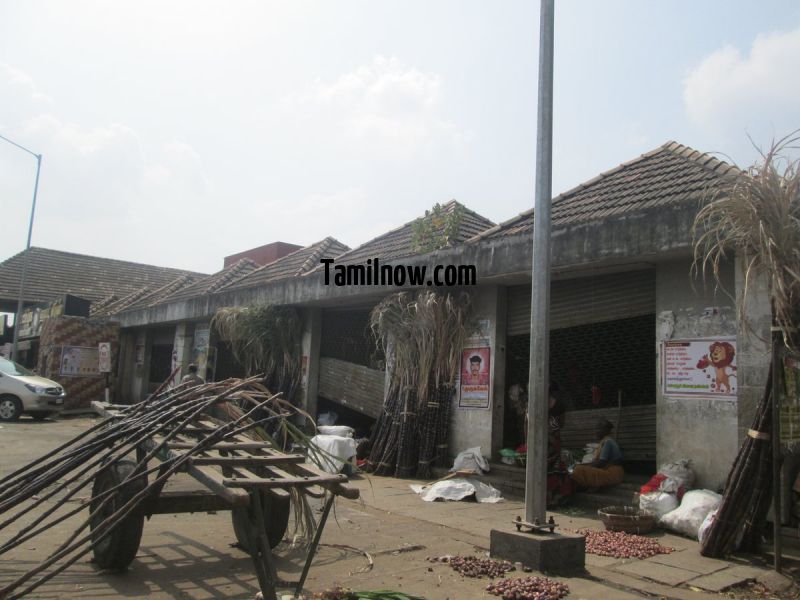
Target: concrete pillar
x: 123, y: 386
x: 499, y: 369
x: 141, y: 366
x: 476, y: 426
x: 696, y: 310
x: 182, y: 349
x: 309, y: 346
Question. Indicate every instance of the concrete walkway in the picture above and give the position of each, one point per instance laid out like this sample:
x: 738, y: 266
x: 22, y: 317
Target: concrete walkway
x: 681, y: 574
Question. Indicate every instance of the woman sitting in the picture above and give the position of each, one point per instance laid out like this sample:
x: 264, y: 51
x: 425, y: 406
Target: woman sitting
x: 606, y: 468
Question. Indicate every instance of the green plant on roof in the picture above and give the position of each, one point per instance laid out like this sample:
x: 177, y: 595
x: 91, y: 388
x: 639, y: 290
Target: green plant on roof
x: 437, y: 229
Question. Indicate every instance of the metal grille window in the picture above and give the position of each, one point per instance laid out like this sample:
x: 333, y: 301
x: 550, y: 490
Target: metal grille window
x: 346, y: 335
x: 593, y: 363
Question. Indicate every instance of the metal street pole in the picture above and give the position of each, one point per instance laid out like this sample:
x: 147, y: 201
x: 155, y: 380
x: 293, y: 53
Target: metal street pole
x: 20, y: 300
x: 536, y: 463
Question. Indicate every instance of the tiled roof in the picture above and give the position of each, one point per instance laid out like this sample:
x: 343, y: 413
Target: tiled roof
x: 398, y: 242
x: 52, y: 273
x: 213, y: 283
x: 294, y: 264
x: 100, y: 306
x: 146, y: 296
x: 671, y: 174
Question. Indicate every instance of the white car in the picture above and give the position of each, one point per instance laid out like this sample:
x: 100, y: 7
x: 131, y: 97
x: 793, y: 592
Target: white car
x: 22, y: 391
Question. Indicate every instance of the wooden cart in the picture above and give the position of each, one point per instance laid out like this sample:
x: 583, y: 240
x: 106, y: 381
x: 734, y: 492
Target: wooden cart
x: 250, y: 478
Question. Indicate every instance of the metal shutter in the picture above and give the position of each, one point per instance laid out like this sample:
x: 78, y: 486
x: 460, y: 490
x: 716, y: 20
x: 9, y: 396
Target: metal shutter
x: 586, y: 300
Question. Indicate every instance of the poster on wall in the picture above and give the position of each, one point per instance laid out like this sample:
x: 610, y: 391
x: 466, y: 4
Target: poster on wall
x: 202, y: 336
x: 77, y: 361
x: 474, y: 378
x: 699, y: 367
x: 104, y: 357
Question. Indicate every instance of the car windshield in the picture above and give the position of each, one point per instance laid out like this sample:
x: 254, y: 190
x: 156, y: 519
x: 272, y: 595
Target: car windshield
x: 9, y: 367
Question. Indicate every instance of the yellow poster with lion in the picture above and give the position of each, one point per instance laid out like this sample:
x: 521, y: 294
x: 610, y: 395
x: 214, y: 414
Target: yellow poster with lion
x: 700, y: 367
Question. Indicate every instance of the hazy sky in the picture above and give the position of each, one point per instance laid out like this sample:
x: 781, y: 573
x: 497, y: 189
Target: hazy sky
x: 175, y: 133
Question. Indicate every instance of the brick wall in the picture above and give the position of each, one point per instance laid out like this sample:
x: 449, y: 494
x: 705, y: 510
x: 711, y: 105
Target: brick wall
x: 77, y: 331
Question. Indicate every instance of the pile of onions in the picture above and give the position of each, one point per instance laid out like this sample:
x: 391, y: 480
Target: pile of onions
x: 473, y: 566
x: 619, y: 544
x: 528, y: 588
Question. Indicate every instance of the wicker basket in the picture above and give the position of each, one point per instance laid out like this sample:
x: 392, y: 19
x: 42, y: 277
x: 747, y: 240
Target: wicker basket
x: 626, y: 518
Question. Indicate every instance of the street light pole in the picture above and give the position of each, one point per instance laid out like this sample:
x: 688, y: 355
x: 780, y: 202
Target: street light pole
x: 25, y: 257
x: 538, y: 374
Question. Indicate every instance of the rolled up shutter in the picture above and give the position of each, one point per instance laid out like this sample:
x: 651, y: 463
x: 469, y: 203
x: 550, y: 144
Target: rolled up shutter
x: 586, y: 300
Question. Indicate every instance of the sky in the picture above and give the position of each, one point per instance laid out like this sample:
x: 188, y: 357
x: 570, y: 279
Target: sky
x: 175, y: 133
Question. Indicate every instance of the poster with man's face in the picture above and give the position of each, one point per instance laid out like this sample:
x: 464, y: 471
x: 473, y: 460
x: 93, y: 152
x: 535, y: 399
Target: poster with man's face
x: 475, y: 363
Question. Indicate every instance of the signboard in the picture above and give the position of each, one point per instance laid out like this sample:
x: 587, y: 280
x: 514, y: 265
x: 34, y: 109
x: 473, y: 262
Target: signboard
x: 699, y: 367
x: 78, y: 361
x: 474, y: 379
x: 104, y: 357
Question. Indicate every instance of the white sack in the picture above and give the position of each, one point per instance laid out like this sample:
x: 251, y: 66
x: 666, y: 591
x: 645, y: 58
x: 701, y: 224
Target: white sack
x: 588, y: 453
x: 340, y: 430
x: 471, y: 460
x: 689, y: 516
x: 702, y: 533
x: 335, y: 451
x: 680, y: 472
x: 658, y: 503
x: 327, y: 418
x: 458, y: 489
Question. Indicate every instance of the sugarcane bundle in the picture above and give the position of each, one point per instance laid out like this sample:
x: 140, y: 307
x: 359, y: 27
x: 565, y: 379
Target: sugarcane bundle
x: 748, y: 489
x: 265, y: 339
x: 407, y: 429
x: 422, y: 335
x: 756, y: 217
x: 445, y: 398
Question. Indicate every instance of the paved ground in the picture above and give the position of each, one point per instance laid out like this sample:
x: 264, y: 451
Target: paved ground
x: 190, y: 556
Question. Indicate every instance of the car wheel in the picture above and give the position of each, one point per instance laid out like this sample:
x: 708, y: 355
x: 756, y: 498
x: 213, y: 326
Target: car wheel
x: 10, y: 408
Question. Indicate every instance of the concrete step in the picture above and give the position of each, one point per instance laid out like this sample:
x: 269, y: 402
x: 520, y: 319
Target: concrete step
x: 510, y: 480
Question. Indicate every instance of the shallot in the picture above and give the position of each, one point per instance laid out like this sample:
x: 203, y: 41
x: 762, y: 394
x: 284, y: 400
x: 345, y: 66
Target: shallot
x: 473, y: 566
x: 528, y: 588
x: 618, y: 544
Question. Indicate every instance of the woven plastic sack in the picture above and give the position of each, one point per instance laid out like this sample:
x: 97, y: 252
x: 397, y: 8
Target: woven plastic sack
x: 658, y: 503
x: 689, y: 516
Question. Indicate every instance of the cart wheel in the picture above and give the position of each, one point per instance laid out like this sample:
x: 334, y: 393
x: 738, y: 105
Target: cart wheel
x: 276, y: 518
x: 117, y: 549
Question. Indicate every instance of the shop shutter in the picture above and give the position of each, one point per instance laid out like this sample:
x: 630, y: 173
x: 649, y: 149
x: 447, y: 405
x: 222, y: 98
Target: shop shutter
x: 586, y: 300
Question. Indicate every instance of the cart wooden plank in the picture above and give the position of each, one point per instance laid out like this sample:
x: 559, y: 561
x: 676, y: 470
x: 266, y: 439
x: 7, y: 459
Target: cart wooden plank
x: 221, y: 445
x: 280, y: 482
x: 248, y: 461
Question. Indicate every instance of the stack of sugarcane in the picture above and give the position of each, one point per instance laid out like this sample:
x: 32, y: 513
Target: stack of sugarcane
x: 52, y: 489
x: 748, y: 490
x: 755, y: 216
x: 422, y: 335
x: 265, y: 339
